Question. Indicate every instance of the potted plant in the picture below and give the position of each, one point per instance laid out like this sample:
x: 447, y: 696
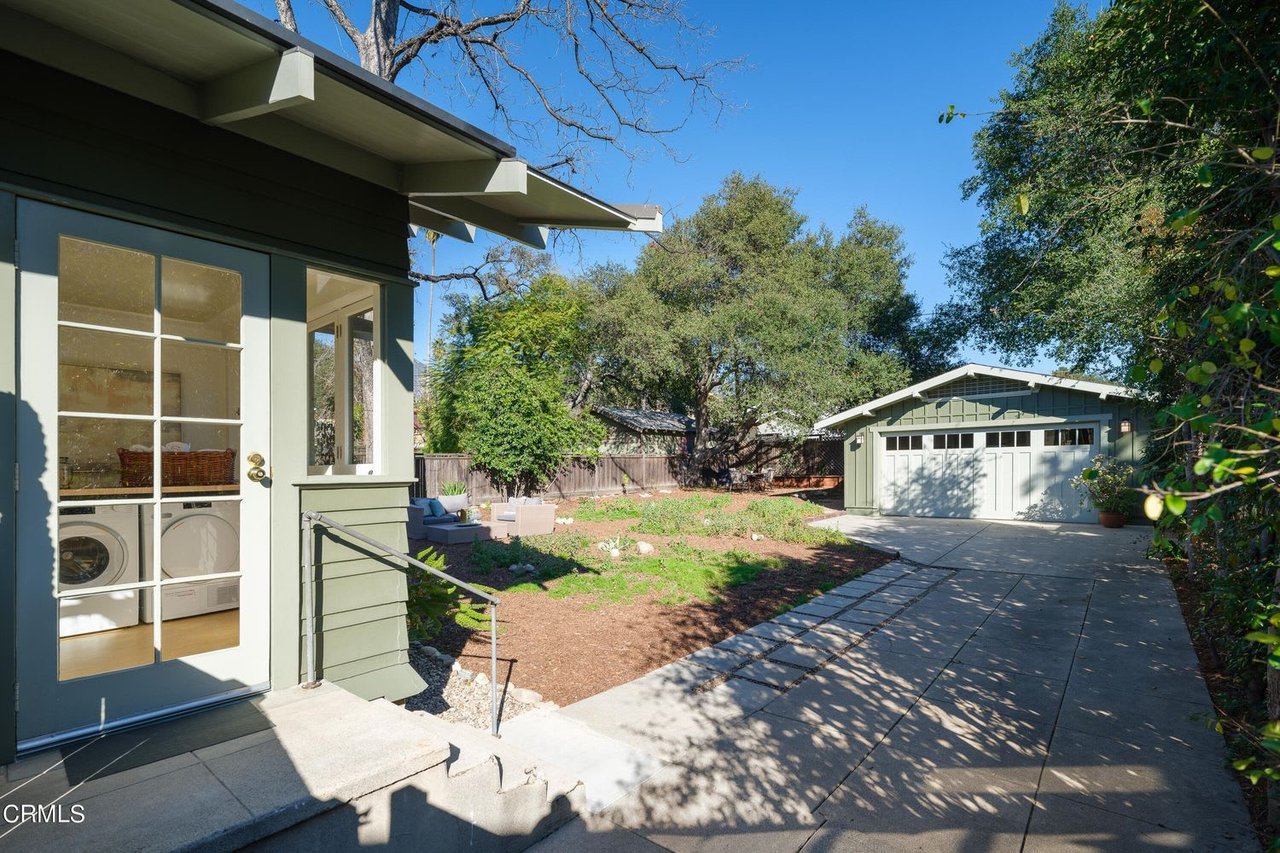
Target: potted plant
x: 1106, y: 485
x: 453, y: 495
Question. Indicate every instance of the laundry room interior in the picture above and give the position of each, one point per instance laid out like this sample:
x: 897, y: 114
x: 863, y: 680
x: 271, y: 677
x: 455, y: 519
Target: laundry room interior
x: 151, y: 362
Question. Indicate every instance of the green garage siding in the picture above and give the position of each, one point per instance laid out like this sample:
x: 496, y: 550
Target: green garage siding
x: 362, y: 641
x: 1041, y: 406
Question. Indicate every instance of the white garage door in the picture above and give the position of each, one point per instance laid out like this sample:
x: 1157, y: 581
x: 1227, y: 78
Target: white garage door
x: 1007, y: 473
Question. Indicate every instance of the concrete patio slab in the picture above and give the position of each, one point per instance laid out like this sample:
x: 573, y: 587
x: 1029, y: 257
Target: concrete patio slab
x: 984, y: 704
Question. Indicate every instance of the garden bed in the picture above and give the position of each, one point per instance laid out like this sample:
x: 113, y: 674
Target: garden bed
x: 584, y: 621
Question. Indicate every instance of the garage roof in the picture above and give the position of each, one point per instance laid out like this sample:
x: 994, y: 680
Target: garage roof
x: 1031, y: 378
x: 219, y: 62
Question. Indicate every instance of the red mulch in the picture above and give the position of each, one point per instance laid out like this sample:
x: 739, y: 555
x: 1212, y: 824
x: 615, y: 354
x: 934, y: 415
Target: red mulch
x: 571, y: 648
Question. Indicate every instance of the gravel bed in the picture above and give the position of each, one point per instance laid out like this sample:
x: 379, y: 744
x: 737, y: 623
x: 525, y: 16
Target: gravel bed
x: 455, y: 695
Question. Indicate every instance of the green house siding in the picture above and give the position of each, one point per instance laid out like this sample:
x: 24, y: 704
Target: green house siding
x: 71, y: 139
x: 67, y: 141
x: 1042, y: 407
x: 362, y: 642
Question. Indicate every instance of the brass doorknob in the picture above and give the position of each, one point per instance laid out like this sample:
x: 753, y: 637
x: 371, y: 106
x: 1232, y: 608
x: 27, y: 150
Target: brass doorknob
x: 256, y: 473
x: 256, y: 459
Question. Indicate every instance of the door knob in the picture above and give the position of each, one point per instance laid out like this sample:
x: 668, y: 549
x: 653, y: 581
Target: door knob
x: 256, y: 473
x: 256, y: 459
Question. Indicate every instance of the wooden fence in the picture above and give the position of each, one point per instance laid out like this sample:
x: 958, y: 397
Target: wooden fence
x: 579, y: 478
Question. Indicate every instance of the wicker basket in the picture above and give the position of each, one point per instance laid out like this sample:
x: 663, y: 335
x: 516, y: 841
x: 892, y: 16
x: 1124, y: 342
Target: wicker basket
x: 193, y: 468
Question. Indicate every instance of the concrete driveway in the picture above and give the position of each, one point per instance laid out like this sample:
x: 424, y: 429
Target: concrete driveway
x: 1024, y: 547
x: 1048, y: 700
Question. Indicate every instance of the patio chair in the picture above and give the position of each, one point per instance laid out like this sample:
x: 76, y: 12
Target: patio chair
x: 525, y: 518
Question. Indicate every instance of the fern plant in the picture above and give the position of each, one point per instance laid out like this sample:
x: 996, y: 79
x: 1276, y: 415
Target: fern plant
x: 432, y: 600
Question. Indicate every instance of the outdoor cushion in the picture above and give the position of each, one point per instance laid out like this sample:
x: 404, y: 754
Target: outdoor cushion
x: 510, y: 515
x: 436, y: 508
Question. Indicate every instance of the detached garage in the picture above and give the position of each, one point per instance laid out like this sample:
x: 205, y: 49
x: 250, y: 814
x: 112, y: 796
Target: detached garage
x: 984, y: 442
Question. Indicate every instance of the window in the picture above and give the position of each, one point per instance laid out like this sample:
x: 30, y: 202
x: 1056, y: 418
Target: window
x: 966, y: 440
x: 1006, y: 439
x: 1023, y: 437
x: 891, y: 442
x: 993, y: 439
x: 904, y: 442
x: 917, y: 442
x: 939, y: 442
x: 953, y: 440
x: 1069, y: 437
x: 342, y: 325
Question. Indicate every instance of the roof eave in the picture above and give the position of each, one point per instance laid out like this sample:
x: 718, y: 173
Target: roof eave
x: 1103, y: 389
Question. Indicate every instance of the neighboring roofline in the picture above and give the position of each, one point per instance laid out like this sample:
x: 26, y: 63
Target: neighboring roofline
x: 268, y: 30
x: 603, y: 411
x: 1032, y: 378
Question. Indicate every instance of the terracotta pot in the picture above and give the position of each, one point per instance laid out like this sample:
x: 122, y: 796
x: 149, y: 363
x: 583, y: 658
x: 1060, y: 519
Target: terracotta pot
x: 1112, y: 519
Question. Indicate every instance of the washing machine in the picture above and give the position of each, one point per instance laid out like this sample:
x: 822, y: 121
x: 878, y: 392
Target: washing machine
x: 98, y: 546
x: 197, y: 538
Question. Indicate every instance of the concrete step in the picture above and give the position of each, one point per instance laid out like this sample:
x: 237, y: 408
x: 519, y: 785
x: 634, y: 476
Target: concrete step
x: 488, y: 796
x: 471, y: 747
x: 608, y: 767
x: 306, y: 753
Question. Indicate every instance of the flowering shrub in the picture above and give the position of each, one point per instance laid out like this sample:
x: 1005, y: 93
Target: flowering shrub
x: 1106, y: 484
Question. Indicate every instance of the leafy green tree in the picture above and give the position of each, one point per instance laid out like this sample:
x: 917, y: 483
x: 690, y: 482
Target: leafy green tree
x: 1132, y: 199
x: 739, y: 316
x: 503, y: 387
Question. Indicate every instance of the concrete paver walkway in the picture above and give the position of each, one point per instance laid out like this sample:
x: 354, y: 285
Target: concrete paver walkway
x: 918, y: 708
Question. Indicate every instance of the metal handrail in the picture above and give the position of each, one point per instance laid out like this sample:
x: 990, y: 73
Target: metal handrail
x: 309, y: 520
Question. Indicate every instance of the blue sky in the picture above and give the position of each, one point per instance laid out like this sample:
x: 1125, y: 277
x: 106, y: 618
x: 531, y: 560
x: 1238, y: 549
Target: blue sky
x: 839, y: 101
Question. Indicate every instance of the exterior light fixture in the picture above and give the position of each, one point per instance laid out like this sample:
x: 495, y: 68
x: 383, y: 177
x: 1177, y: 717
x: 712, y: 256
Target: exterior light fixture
x: 857, y: 440
x: 1126, y: 426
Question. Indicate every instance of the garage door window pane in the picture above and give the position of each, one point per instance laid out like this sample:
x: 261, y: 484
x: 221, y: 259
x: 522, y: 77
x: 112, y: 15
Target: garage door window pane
x: 1051, y: 438
x: 1024, y: 438
x: 939, y: 442
x: 993, y: 439
x: 1006, y: 439
x: 1084, y: 436
x: 917, y: 442
x: 966, y: 440
x: 891, y: 443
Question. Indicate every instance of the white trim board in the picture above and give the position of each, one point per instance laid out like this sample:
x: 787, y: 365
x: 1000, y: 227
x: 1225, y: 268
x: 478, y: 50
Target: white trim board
x: 990, y: 425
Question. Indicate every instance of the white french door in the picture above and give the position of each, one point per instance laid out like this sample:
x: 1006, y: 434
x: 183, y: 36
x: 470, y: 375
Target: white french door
x: 143, y: 501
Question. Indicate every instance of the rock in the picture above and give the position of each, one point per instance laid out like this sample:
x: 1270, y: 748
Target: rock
x: 756, y: 537
x: 664, y: 491
x: 615, y: 553
x: 644, y: 547
x: 480, y: 680
x: 706, y: 522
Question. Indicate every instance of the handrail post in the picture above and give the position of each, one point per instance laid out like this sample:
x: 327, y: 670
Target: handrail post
x: 493, y: 669
x: 308, y: 596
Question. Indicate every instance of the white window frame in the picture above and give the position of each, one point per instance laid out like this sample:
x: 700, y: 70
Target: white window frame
x: 339, y: 318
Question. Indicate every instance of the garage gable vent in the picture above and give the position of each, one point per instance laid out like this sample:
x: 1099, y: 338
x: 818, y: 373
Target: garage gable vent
x: 980, y: 387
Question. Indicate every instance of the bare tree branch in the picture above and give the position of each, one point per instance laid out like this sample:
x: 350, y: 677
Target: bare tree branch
x: 284, y: 9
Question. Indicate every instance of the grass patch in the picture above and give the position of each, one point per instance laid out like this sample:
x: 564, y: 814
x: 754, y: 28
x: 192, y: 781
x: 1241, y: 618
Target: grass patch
x: 553, y: 555
x: 608, y: 509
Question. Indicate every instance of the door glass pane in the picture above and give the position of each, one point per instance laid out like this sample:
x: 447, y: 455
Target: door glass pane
x: 197, y: 301
x: 105, y: 285
x: 199, y: 617
x: 1084, y: 436
x: 100, y: 633
x: 917, y: 442
x: 200, y: 459
x: 1024, y: 438
x: 1006, y: 439
x: 1051, y: 438
x: 322, y: 396
x: 99, y: 546
x: 966, y: 440
x: 104, y: 372
x: 993, y: 439
x: 98, y: 457
x: 206, y: 380
x: 363, y: 408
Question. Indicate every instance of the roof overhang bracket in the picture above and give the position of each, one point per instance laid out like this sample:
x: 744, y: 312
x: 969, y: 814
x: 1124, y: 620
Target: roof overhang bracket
x: 276, y: 84
x: 468, y: 177
x: 466, y: 210
x: 420, y: 217
x: 1033, y: 385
